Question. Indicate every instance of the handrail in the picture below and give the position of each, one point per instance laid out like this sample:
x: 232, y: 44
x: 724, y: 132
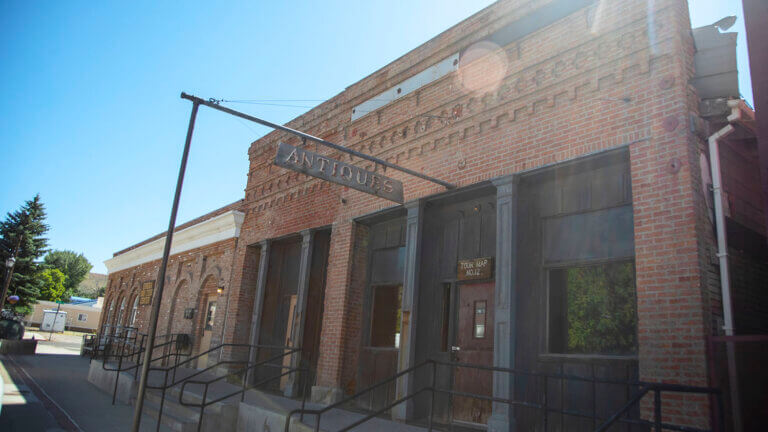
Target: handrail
x: 205, y: 403
x: 130, y: 340
x: 248, y: 367
x: 645, y: 387
x: 320, y: 412
x: 173, y: 368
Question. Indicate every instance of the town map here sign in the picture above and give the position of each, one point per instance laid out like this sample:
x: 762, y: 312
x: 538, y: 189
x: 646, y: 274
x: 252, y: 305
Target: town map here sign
x: 332, y: 170
x: 145, y: 295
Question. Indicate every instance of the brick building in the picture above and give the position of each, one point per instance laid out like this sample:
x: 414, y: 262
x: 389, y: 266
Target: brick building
x: 575, y: 136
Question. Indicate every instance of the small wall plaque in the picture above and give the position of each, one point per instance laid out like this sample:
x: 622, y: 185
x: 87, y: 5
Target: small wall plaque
x: 189, y: 313
x: 475, y: 269
x: 145, y: 295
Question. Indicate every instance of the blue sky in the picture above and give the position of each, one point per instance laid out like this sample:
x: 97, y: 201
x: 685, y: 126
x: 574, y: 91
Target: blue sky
x: 90, y: 115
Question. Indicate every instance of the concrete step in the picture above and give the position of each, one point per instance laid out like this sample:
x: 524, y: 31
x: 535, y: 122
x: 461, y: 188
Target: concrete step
x: 171, y: 405
x: 218, y: 417
x: 170, y: 421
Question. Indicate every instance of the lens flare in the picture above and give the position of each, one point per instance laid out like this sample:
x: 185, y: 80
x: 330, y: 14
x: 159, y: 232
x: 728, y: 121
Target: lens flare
x: 482, y: 67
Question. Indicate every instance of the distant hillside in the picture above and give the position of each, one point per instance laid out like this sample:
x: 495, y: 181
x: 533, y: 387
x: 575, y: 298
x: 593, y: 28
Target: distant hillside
x: 91, y: 285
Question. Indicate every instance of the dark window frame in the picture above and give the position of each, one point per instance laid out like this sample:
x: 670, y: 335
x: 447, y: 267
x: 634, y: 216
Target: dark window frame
x: 371, y: 312
x: 545, y: 352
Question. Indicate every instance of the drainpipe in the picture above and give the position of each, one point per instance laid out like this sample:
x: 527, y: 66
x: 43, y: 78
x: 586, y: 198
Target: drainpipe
x: 722, y: 254
x: 722, y: 245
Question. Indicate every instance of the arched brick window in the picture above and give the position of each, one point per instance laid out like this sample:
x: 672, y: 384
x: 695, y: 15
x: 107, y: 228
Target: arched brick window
x: 134, y: 311
x: 121, y: 314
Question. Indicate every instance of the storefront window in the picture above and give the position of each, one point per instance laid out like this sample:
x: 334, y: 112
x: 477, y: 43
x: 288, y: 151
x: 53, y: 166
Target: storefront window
x: 592, y: 309
x: 385, y: 325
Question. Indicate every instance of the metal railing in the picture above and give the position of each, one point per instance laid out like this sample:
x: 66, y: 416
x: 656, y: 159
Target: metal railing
x: 124, y: 346
x: 170, y: 371
x: 245, y: 386
x: 599, y: 423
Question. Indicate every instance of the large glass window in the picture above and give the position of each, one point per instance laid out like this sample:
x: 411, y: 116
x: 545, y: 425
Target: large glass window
x: 385, y: 324
x: 593, y: 310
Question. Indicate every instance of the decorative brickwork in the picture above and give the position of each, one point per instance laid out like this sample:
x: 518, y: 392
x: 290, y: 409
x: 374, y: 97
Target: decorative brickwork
x: 612, y: 74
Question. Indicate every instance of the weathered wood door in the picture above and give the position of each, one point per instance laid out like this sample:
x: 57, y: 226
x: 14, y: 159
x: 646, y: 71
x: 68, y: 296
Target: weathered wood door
x: 205, y: 339
x: 474, y: 344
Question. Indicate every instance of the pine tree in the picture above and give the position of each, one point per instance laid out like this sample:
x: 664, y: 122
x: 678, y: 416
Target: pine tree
x: 21, y: 236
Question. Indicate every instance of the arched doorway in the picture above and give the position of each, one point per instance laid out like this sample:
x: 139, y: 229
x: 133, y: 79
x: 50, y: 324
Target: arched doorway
x: 207, y: 305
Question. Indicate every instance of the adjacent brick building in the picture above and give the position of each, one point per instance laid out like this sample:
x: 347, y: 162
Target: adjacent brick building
x: 573, y: 134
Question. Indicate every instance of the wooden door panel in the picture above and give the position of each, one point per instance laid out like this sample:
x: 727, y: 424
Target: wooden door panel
x: 474, y: 338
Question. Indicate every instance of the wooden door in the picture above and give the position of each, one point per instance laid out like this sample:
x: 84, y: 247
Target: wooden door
x: 288, y: 342
x: 205, y: 338
x: 474, y: 344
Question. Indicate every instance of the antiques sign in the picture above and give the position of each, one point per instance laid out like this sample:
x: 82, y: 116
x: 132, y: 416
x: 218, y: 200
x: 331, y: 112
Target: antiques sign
x: 475, y: 268
x: 145, y: 295
x: 323, y: 167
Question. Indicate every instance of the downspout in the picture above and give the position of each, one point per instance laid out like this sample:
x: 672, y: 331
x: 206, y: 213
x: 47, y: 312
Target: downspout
x: 722, y: 245
x: 722, y: 254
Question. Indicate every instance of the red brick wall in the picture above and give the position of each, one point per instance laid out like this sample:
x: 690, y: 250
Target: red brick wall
x: 190, y: 276
x: 602, y: 77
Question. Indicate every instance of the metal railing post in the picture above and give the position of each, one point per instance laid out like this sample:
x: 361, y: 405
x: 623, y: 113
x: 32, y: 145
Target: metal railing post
x: 202, y: 409
x: 117, y: 377
x: 306, y: 391
x: 162, y: 400
x: 175, y: 365
x: 546, y: 402
x: 432, y: 398
x: 594, y: 398
x: 720, y: 413
x: 245, y: 374
x: 657, y: 409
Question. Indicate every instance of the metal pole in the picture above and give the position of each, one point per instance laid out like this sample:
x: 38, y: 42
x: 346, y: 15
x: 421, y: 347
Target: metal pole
x: 158, y: 295
x: 6, y: 283
x: 334, y: 146
x: 9, y: 274
x: 55, y: 317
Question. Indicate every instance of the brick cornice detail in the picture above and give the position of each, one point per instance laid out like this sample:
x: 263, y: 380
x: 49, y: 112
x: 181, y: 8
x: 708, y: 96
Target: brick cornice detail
x: 221, y: 227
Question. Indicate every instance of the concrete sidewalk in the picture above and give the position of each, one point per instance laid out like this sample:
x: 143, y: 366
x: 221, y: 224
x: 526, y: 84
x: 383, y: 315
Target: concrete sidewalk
x: 22, y: 410
x: 60, y: 375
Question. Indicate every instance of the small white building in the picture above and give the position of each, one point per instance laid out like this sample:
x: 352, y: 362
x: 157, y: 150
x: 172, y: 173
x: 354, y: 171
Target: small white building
x: 78, y: 317
x: 54, y: 320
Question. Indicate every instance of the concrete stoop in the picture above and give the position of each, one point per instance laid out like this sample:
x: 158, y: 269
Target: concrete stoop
x: 218, y: 417
x: 259, y: 411
x: 104, y: 380
x: 267, y: 412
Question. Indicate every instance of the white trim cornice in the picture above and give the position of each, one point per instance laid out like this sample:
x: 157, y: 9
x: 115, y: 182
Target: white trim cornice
x: 222, y: 227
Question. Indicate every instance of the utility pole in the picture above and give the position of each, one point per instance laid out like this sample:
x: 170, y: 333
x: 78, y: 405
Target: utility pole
x: 158, y: 294
x: 10, y: 264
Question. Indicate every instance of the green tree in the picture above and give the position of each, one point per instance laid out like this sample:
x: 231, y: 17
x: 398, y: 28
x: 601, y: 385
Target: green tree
x: 21, y: 236
x: 74, y: 265
x: 602, y: 309
x: 54, y: 285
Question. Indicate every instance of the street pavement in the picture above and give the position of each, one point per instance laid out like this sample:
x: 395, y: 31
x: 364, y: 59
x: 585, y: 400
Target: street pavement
x: 49, y: 391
